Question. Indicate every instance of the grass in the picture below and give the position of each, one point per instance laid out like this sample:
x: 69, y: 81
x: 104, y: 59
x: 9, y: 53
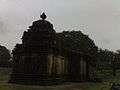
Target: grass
x: 4, y: 74
x: 72, y: 86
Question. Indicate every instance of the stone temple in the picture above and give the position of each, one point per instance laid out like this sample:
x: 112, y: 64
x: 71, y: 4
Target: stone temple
x: 37, y: 59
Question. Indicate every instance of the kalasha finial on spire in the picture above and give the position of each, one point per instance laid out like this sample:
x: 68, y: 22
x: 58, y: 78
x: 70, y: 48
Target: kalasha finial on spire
x: 43, y: 16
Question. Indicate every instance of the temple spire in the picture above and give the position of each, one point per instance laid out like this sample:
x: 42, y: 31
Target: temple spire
x: 43, y: 16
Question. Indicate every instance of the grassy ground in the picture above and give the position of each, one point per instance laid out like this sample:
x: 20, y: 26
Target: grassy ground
x: 72, y: 86
x: 5, y: 73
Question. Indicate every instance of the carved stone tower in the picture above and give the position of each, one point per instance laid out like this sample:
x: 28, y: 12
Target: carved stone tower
x: 30, y: 59
x: 42, y: 58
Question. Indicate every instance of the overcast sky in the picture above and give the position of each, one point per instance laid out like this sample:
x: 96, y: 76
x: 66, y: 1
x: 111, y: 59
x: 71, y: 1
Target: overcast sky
x: 100, y: 19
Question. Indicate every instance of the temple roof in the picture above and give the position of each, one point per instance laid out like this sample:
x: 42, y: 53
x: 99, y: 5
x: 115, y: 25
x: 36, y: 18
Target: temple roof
x: 42, y: 23
x: 43, y: 16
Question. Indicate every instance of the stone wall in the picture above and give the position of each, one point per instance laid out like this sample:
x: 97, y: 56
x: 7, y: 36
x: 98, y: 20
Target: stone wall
x: 56, y: 65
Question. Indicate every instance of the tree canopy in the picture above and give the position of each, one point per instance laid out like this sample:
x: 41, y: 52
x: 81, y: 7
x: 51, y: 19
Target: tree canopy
x: 4, y: 56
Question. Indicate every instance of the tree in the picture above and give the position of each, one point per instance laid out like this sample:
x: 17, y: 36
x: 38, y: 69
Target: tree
x: 4, y: 56
x: 107, y: 59
x: 105, y: 56
x: 116, y: 62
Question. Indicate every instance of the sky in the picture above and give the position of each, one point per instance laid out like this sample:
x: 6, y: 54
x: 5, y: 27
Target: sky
x: 100, y: 19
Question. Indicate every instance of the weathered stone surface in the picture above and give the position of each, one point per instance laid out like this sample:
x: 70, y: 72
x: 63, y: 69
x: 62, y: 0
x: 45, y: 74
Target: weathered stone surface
x: 35, y: 60
x: 31, y: 57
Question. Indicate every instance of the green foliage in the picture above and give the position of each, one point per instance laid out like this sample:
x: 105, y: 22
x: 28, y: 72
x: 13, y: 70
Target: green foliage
x: 5, y: 73
x: 104, y: 58
x: 4, y: 56
x: 105, y: 55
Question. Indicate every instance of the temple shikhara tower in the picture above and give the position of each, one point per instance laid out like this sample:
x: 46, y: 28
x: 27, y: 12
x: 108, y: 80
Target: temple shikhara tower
x: 37, y: 59
x: 32, y: 57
